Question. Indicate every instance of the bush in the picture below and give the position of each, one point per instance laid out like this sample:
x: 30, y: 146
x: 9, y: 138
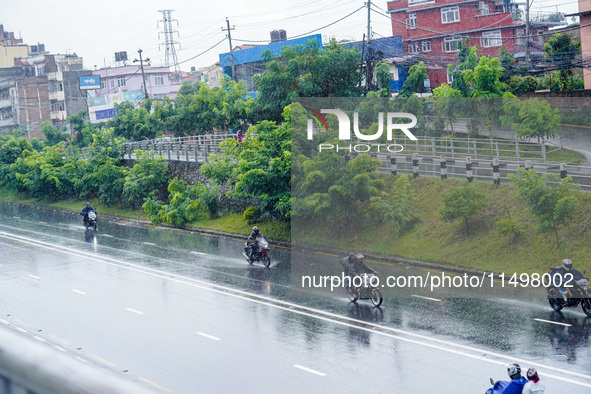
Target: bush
x: 252, y: 215
x: 509, y: 226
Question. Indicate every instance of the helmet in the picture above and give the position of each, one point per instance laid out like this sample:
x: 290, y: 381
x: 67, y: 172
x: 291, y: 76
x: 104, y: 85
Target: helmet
x: 531, y: 373
x: 255, y: 230
x: 87, y: 204
x: 359, y: 257
x: 513, y: 369
x: 567, y: 264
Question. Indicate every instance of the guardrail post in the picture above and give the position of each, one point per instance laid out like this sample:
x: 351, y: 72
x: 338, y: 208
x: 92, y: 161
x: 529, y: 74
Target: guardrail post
x: 160, y: 149
x: 528, y: 165
x: 186, y: 152
x: 415, y: 165
x: 129, y: 150
x: 392, y: 164
x: 443, y: 167
x: 451, y: 144
x: 168, y: 150
x: 544, y: 152
x: 178, y: 153
x: 517, y: 149
x: 433, y: 146
x: 497, y: 144
x: 469, y: 169
x: 206, y: 152
x: 562, y: 170
x: 475, y: 150
x: 496, y: 171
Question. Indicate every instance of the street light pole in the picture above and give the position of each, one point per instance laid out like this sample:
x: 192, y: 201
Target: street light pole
x: 143, y: 75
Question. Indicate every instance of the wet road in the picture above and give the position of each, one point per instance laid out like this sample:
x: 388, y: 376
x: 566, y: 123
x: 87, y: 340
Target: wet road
x: 184, y: 313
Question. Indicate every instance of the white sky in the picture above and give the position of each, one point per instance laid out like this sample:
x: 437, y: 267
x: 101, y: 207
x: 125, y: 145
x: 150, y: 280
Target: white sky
x: 96, y: 30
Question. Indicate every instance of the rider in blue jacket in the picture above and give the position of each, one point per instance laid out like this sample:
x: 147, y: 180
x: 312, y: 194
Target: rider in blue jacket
x: 515, y: 386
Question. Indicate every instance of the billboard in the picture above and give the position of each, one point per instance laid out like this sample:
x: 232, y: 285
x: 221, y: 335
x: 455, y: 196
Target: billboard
x: 90, y: 82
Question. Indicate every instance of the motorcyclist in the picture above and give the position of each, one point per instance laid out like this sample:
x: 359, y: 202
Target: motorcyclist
x: 357, y: 265
x: 87, y: 208
x: 515, y: 386
x: 534, y: 386
x: 567, y: 268
x: 252, y: 241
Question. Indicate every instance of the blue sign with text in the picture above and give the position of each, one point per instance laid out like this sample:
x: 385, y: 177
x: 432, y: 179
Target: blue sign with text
x: 90, y: 82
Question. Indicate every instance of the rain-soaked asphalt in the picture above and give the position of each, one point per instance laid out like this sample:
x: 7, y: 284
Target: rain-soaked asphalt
x: 183, y: 312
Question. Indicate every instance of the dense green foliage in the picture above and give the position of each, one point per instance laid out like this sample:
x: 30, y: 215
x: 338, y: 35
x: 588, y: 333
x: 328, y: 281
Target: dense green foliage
x: 462, y: 202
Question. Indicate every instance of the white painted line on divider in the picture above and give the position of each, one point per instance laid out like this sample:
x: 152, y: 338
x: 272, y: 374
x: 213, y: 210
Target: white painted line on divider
x: 4, y: 321
x: 59, y: 340
x: 135, y: 311
x: 427, y: 298
x: 34, y: 277
x: 150, y: 243
x: 107, y: 235
x: 309, y: 370
x: 81, y: 359
x: 209, y: 336
x: 553, y: 322
x: 61, y: 349
x: 155, y: 385
x: 102, y: 360
x: 78, y: 291
x: 21, y: 329
x: 199, y: 253
x: 39, y: 338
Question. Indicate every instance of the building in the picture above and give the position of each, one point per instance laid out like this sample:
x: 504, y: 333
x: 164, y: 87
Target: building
x: 585, y: 32
x: 11, y: 48
x: 249, y: 61
x: 431, y: 29
x: 126, y: 83
x: 212, y: 75
x: 390, y: 49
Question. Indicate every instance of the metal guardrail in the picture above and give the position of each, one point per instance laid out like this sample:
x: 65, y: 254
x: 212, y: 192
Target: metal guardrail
x: 33, y: 368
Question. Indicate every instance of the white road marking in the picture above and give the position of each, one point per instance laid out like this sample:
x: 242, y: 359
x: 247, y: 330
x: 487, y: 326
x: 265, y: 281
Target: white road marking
x: 150, y: 243
x: 199, y: 253
x: 59, y: 340
x: 4, y: 321
x: 34, y: 277
x: 209, y: 336
x: 135, y: 311
x: 107, y: 235
x: 16, y: 217
x: 309, y: 370
x: 61, y: 349
x: 81, y: 359
x: 21, y: 329
x: 78, y: 291
x: 553, y: 322
x: 155, y: 385
x: 102, y: 360
x: 39, y: 338
x: 427, y: 298
x: 334, y: 318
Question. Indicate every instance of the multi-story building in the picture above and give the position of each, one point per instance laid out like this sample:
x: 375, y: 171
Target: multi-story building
x: 212, y: 75
x: 126, y: 83
x: 431, y: 29
x: 12, y: 48
x: 585, y: 31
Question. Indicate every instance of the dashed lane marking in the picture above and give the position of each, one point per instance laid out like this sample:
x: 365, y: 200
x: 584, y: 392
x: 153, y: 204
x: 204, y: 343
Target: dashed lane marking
x: 427, y: 298
x: 209, y: 336
x: 78, y: 291
x: 135, y: 311
x: 34, y: 277
x: 102, y: 360
x: 310, y: 370
x: 553, y: 322
x: 155, y: 385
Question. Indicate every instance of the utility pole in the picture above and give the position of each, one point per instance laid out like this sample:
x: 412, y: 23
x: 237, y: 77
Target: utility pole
x: 369, y: 74
x: 143, y: 75
x: 527, y: 33
x: 169, y: 42
x: 231, y: 50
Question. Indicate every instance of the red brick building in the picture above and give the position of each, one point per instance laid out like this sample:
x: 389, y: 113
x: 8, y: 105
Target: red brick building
x: 430, y: 30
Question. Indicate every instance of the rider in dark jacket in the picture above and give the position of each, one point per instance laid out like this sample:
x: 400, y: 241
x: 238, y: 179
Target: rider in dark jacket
x: 87, y: 208
x: 252, y: 240
x: 563, y: 270
x: 357, y: 265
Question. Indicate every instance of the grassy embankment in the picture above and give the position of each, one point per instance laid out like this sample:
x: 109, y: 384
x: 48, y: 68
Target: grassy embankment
x: 433, y: 240
x: 231, y: 223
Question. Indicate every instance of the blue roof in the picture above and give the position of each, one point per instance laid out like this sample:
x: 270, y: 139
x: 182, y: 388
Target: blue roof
x: 254, y: 54
x: 389, y: 46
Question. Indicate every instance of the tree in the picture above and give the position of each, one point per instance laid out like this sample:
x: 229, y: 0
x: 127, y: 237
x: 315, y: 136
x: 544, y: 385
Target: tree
x: 132, y: 123
x: 531, y: 118
x: 561, y: 50
x: 552, y: 200
x: 149, y: 174
x: 485, y: 79
x: 382, y: 72
x: 52, y: 135
x: 447, y: 103
x: 462, y: 202
x: 415, y: 82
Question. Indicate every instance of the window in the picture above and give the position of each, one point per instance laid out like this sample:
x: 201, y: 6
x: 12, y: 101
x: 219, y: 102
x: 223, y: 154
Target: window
x: 120, y: 81
x: 540, y: 38
x: 450, y: 78
x: 483, y: 8
x: 412, y: 21
x: 414, y: 48
x: 426, y: 46
x: 450, y: 44
x: 491, y: 39
x: 450, y: 14
x: 103, y: 83
x: 520, y: 36
x: 158, y: 80
x: 55, y: 107
x: 112, y: 82
x: 394, y: 76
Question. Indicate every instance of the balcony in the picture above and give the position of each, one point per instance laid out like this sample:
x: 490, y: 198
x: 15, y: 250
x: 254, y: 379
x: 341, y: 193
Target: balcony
x: 55, y: 76
x: 57, y: 95
x: 7, y: 122
x: 5, y: 102
x: 58, y: 115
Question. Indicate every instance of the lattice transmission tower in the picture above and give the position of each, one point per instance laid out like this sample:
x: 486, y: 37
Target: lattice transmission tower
x: 169, y: 42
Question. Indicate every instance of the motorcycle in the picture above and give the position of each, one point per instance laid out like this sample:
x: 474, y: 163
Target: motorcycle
x: 260, y: 251
x: 90, y: 220
x: 579, y: 293
x: 368, y: 289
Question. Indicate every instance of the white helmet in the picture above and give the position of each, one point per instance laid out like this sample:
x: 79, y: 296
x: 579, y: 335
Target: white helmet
x: 513, y: 369
x: 567, y: 264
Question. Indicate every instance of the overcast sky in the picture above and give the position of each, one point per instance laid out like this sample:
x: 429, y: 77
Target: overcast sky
x: 96, y: 30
